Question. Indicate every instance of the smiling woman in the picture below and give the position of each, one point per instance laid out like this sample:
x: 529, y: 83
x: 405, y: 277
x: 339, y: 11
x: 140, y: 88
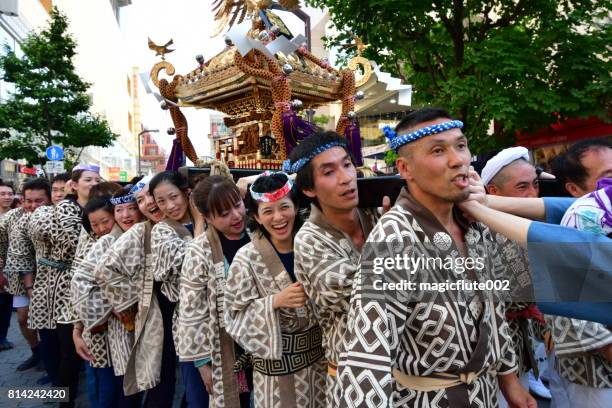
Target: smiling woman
x: 171, y: 192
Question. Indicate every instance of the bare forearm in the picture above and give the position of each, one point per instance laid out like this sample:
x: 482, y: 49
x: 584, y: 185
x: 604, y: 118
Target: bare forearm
x: 532, y: 208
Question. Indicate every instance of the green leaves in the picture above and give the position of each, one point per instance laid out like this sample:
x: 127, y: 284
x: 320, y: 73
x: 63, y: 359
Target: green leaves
x: 50, y: 104
x: 515, y: 63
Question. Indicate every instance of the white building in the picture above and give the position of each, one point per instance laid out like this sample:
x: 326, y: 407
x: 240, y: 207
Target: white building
x: 17, y: 19
x: 101, y: 60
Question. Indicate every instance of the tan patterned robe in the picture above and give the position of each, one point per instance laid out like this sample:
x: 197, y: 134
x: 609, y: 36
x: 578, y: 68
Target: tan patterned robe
x: 126, y: 279
x: 112, y: 346
x: 66, y: 226
x: 439, y: 332
x: 15, y: 250
x: 200, y: 326
x: 325, y: 264
x: 39, y: 228
x: 255, y: 276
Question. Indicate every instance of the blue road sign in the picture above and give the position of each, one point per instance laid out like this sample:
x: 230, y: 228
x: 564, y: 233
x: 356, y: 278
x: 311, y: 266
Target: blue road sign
x: 55, y: 153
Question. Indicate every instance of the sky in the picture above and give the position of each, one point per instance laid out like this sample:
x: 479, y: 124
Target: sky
x: 189, y: 23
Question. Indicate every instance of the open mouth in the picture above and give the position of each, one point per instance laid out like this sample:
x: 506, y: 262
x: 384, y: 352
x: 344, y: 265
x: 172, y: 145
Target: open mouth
x: 280, y: 227
x: 238, y: 225
x: 349, y: 194
x: 460, y: 181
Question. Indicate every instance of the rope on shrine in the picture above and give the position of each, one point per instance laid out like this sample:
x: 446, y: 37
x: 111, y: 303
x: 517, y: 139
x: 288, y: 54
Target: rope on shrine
x: 167, y: 90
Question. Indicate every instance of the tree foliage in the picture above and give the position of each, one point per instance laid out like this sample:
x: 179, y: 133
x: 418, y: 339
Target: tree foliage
x: 522, y: 64
x: 49, y: 104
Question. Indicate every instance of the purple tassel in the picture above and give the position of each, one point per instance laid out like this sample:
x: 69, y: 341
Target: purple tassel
x: 176, y: 156
x: 295, y: 129
x: 352, y: 134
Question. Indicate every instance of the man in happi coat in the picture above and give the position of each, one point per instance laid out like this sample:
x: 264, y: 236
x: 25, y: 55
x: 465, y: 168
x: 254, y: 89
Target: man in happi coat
x: 18, y: 260
x: 420, y: 347
x: 328, y: 245
x: 510, y: 174
x: 582, y: 360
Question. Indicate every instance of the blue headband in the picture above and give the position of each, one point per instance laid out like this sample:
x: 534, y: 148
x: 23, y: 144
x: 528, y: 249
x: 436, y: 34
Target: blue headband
x: 301, y: 162
x: 140, y: 185
x: 395, y: 141
x: 126, y: 199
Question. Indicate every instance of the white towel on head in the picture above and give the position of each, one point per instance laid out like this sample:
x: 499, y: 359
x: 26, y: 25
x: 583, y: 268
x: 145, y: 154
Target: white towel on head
x: 501, y: 160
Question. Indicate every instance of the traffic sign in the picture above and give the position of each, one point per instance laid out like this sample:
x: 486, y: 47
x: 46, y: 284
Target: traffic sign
x: 54, y: 167
x: 55, y: 153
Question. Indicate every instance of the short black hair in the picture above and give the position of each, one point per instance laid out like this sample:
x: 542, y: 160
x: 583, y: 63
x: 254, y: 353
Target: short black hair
x: 305, y: 176
x: 7, y: 184
x: 173, y: 177
x: 38, y: 183
x: 93, y: 205
x: 568, y: 167
x: 269, y: 184
x: 61, y: 177
x: 417, y: 117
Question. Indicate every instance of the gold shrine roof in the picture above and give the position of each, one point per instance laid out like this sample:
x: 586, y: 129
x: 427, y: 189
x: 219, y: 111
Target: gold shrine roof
x: 220, y: 81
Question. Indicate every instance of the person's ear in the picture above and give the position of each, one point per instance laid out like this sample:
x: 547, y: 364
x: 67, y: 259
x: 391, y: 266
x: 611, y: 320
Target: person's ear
x: 309, y: 193
x: 492, y: 189
x: 404, y: 168
x: 574, y: 189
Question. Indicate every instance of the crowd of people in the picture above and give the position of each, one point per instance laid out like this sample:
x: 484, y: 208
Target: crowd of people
x: 261, y: 293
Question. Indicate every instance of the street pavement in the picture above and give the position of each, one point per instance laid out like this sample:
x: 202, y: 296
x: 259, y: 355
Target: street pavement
x: 12, y: 379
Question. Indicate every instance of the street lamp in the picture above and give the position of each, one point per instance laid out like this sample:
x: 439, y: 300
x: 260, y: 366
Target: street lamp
x: 139, y: 136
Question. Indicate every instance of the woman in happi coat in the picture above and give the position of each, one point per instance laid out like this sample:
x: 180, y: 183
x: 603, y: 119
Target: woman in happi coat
x: 267, y: 311
x: 169, y: 239
x: 126, y: 279
x: 41, y: 316
x: 108, y: 336
x: 66, y: 226
x: 202, y: 336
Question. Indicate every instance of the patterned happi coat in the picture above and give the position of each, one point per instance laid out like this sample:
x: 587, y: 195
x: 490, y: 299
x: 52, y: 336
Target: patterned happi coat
x: 15, y: 250
x: 438, y: 333
x: 126, y: 279
x: 200, y: 325
x: 40, y: 315
x: 576, y: 343
x: 255, y: 276
x: 325, y: 264
x: 84, y: 246
x: 522, y: 330
x: 66, y: 227
x: 112, y: 345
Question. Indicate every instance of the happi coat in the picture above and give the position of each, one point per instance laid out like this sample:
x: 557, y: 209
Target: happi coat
x: 396, y: 334
x: 285, y: 343
x: 108, y: 340
x: 200, y: 325
x: 576, y: 344
x: 40, y: 315
x: 126, y: 279
x: 326, y: 261
x: 525, y: 321
x: 15, y: 252
x: 66, y: 228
